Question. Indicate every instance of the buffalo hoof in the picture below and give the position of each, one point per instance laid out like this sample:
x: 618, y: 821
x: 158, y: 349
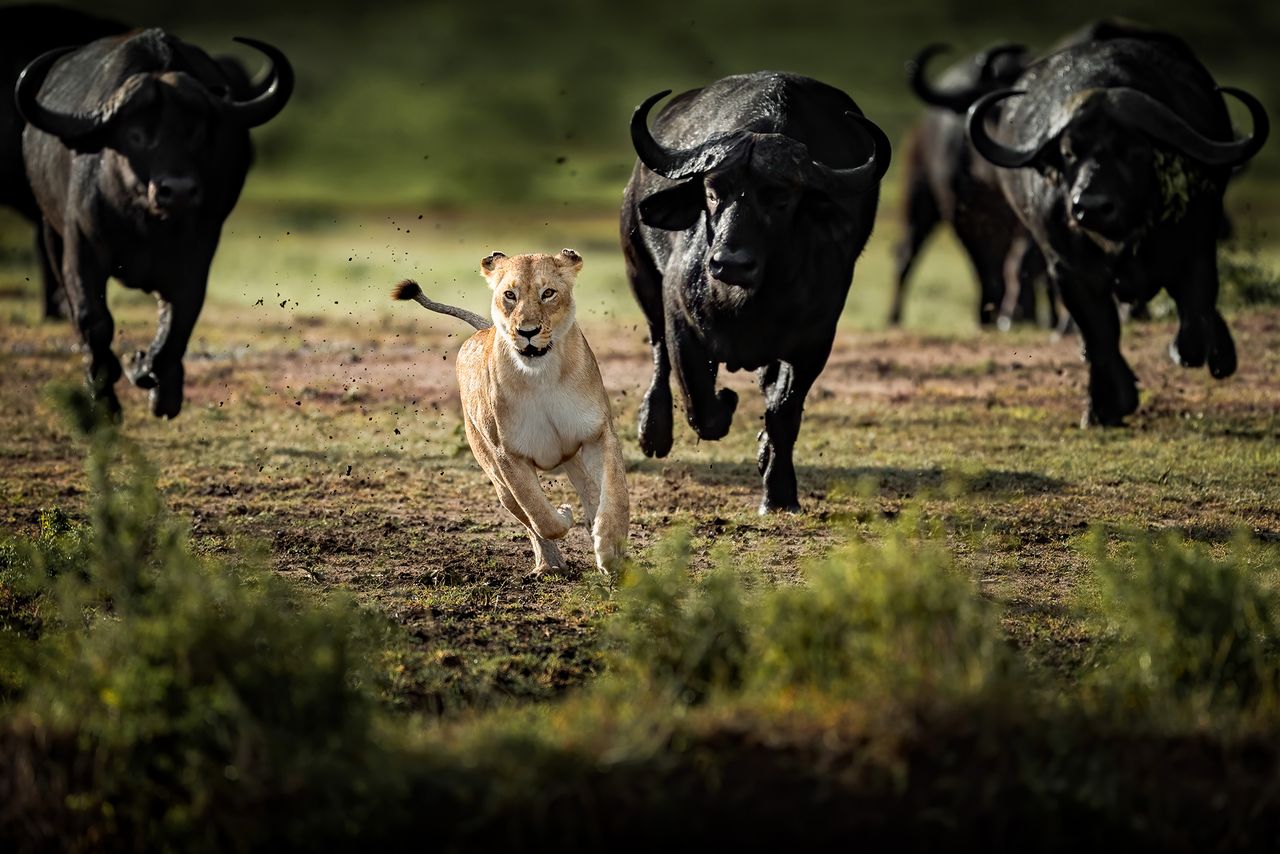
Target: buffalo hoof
x: 1113, y: 394
x: 1222, y: 350
x: 715, y: 423
x: 655, y: 423
x: 140, y: 373
x: 166, y: 401
x: 1188, y: 347
x: 768, y: 506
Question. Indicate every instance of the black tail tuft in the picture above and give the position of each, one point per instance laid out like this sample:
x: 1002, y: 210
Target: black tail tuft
x: 408, y: 289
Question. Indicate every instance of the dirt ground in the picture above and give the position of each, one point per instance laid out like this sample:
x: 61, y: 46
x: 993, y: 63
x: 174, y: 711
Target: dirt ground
x: 334, y: 446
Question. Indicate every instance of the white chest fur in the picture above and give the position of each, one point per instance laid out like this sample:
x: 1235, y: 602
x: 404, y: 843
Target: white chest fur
x: 552, y: 419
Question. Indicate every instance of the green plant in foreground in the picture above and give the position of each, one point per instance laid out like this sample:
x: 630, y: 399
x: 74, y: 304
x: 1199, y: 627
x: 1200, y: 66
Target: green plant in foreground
x: 889, y: 617
x: 204, y: 701
x: 1187, y: 627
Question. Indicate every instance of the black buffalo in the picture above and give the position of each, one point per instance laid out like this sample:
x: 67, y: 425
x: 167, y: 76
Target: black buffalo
x: 26, y: 32
x: 1115, y: 155
x: 946, y: 181
x: 136, y: 150
x: 751, y: 200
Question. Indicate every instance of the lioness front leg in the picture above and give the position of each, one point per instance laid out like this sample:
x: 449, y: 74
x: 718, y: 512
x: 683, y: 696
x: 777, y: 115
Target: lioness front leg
x: 521, y: 480
x: 599, y: 476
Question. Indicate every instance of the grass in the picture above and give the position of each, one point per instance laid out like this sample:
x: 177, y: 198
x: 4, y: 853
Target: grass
x: 173, y: 700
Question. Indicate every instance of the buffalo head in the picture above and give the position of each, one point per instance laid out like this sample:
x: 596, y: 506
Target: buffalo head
x: 1102, y: 150
x: 748, y: 187
x: 159, y: 131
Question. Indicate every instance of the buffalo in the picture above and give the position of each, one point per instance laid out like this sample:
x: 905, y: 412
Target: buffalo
x: 946, y: 181
x: 751, y: 200
x: 136, y: 150
x: 26, y: 32
x: 1115, y: 155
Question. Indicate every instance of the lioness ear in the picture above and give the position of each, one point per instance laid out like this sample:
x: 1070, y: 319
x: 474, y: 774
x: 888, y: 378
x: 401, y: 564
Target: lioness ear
x: 489, y: 264
x: 569, y: 258
x: 675, y: 208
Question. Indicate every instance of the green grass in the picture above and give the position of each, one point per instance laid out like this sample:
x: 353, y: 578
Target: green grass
x: 172, y: 700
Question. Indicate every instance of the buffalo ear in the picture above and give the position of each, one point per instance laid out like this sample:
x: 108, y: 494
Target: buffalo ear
x: 675, y: 208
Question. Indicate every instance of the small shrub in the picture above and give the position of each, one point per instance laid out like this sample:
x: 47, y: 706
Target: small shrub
x: 891, y: 617
x: 680, y: 633
x: 1187, y: 627
x: 174, y: 702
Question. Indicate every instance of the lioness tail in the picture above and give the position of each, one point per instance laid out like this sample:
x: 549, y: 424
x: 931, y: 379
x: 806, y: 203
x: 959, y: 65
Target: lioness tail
x: 408, y: 289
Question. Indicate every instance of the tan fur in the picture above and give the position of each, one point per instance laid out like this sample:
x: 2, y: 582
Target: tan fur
x: 545, y: 413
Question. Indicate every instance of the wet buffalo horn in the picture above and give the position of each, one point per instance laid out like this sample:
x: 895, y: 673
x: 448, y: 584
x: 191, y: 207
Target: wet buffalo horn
x: 270, y: 101
x: 857, y: 179
x: 997, y: 153
x: 1140, y: 111
x: 678, y: 163
x: 61, y: 125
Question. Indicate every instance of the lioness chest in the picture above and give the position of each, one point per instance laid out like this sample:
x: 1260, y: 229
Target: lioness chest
x: 550, y: 425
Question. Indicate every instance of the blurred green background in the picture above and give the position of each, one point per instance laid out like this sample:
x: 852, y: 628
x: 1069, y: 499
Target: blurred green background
x: 501, y: 122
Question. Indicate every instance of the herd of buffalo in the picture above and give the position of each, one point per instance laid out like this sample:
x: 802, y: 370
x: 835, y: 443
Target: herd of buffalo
x: 1097, y: 169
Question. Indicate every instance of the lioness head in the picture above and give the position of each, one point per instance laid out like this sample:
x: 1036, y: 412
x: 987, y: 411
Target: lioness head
x: 532, y: 298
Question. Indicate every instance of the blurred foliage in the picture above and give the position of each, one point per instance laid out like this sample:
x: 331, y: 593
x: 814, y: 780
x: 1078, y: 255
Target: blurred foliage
x: 1246, y: 280
x: 157, y: 699
x: 1187, y: 628
x: 482, y: 105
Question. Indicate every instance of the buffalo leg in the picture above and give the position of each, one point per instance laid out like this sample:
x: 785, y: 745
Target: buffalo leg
x: 85, y: 283
x: 55, y: 300
x: 988, y: 265
x: 655, y: 417
x: 1113, y: 390
x: 710, y: 412
x: 160, y: 370
x: 1022, y: 266
x: 1202, y: 333
x: 785, y: 386
x: 921, y: 218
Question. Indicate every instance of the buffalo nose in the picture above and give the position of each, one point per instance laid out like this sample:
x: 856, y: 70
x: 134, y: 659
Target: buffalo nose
x: 734, y: 267
x: 1093, y: 208
x: 530, y: 331
x: 176, y: 191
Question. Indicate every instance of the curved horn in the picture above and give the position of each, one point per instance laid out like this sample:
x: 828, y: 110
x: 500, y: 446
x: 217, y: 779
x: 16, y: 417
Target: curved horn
x: 1142, y: 112
x: 989, y: 58
x: 61, y: 125
x: 955, y: 101
x: 976, y: 130
x: 677, y: 163
x: 266, y: 106
x: 857, y: 180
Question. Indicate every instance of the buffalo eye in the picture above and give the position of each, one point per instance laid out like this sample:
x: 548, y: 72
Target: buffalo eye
x: 548, y: 293
x: 510, y: 295
x: 774, y: 197
x: 136, y: 137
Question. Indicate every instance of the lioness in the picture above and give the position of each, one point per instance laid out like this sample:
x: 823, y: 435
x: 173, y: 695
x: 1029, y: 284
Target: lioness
x: 532, y: 399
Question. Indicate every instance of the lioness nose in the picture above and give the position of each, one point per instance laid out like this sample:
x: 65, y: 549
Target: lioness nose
x: 530, y: 331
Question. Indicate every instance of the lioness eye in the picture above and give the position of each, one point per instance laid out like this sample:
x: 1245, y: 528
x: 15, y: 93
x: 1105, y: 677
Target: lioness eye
x: 548, y: 293
x: 511, y: 295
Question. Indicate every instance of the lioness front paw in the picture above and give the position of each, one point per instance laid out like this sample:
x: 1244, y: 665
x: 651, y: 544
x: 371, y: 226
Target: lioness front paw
x: 566, y: 513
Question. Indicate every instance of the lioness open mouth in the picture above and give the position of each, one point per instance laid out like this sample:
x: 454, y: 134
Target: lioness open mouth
x: 533, y: 352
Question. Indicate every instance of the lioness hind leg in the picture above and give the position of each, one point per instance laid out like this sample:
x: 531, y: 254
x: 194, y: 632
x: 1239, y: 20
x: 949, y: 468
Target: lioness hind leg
x: 586, y: 484
x: 602, y: 465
